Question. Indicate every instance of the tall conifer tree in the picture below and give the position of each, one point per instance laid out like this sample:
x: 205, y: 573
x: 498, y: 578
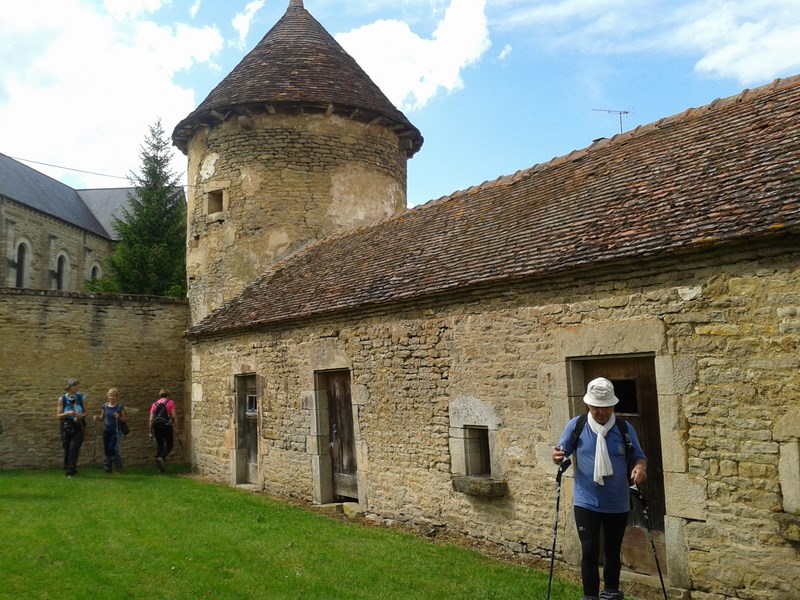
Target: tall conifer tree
x: 150, y: 257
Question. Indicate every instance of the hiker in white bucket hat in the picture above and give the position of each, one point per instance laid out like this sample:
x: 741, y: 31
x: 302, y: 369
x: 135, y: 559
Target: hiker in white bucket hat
x: 607, y: 457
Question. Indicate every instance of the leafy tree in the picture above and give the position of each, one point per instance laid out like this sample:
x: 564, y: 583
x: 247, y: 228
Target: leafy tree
x: 150, y: 256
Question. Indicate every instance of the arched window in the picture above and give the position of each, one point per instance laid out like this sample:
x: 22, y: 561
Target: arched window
x: 61, y: 272
x: 96, y: 274
x: 22, y: 256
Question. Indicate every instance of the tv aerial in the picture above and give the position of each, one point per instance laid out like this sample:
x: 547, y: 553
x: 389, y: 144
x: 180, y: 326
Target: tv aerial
x: 614, y: 112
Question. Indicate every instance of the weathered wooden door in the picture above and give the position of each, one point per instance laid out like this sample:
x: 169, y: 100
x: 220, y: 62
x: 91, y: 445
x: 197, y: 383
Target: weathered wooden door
x: 634, y: 382
x: 342, y: 439
x: 246, y: 429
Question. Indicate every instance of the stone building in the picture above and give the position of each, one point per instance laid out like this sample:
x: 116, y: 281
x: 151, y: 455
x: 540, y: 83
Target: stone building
x: 423, y: 365
x: 53, y: 236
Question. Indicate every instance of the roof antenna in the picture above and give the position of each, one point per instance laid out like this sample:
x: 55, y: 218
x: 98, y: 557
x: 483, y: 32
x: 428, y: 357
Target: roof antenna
x: 614, y: 112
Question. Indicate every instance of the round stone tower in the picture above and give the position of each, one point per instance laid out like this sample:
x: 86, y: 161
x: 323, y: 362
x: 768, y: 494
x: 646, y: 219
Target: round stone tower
x: 295, y: 144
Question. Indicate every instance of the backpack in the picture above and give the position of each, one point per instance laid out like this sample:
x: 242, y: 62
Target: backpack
x: 67, y: 425
x: 161, y: 416
x: 621, y: 424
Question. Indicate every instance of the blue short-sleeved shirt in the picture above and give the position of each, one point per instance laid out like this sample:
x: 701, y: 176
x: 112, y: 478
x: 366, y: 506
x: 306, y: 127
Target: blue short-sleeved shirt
x: 614, y: 496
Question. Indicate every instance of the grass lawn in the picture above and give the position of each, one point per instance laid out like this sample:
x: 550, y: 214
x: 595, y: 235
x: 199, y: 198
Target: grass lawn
x: 143, y: 535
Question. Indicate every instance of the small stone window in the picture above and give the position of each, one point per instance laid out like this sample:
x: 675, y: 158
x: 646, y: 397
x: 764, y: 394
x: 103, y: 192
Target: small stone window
x: 216, y: 199
x: 474, y: 459
x: 476, y: 451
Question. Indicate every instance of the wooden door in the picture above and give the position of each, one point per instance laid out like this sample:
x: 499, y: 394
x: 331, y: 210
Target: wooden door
x: 246, y: 429
x: 634, y: 382
x: 342, y: 444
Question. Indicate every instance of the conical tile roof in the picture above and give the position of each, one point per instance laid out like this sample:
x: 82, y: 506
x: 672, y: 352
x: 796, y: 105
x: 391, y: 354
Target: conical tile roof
x: 298, y: 65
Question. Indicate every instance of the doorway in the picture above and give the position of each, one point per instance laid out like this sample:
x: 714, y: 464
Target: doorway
x: 634, y: 382
x: 246, y: 429
x: 336, y: 388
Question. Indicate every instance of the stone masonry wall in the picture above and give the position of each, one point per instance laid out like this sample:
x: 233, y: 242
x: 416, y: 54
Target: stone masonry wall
x: 724, y: 331
x: 133, y: 343
x: 300, y: 177
x: 47, y: 238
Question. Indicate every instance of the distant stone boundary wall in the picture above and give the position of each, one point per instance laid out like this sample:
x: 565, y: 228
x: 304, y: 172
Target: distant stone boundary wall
x: 133, y: 343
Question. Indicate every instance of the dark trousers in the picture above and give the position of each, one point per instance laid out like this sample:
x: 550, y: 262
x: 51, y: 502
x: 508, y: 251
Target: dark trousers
x: 111, y: 439
x: 589, y: 524
x: 72, y: 441
x: 164, y: 442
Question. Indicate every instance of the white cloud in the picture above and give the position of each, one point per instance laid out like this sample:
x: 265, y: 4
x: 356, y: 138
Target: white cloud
x: 505, y: 52
x: 411, y: 70
x: 195, y: 8
x: 747, y: 40
x: 131, y: 8
x: 242, y: 21
x: 84, y: 86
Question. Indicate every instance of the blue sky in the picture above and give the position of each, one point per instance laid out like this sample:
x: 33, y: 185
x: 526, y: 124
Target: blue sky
x: 493, y: 85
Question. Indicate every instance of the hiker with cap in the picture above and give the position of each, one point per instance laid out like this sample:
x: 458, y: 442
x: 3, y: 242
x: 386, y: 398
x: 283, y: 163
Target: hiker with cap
x: 608, y: 459
x: 71, y: 413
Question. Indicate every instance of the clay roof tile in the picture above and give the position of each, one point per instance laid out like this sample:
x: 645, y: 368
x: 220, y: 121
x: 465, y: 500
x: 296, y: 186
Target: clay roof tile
x: 726, y: 173
x: 297, y: 63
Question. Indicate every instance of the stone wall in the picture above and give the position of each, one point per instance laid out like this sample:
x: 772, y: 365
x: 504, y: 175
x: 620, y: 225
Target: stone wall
x: 47, y: 238
x: 299, y: 177
x: 722, y: 329
x: 133, y: 343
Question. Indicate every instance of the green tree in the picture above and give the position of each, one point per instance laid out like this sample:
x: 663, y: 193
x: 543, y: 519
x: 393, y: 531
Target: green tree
x: 150, y: 256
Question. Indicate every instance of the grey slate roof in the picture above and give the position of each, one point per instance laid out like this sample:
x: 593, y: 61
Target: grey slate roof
x: 36, y: 190
x: 298, y: 63
x: 106, y: 204
x: 727, y: 172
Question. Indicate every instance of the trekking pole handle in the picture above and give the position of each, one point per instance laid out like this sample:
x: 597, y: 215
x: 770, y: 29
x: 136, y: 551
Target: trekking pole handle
x: 562, y: 466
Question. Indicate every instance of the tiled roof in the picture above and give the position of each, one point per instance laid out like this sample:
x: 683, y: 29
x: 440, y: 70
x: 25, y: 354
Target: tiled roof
x: 36, y: 190
x: 298, y: 64
x: 725, y: 172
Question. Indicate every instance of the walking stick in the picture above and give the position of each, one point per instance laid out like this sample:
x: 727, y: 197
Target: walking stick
x: 637, y: 493
x: 565, y: 463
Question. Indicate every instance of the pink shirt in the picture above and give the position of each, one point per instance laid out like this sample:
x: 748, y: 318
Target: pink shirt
x: 170, y: 406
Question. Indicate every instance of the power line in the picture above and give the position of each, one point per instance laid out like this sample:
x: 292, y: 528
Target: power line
x: 36, y: 162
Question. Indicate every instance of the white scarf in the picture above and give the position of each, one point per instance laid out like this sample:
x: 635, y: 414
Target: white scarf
x: 602, y: 462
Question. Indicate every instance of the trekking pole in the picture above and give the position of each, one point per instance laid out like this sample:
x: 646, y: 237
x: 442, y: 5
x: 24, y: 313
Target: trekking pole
x: 635, y: 491
x: 565, y: 463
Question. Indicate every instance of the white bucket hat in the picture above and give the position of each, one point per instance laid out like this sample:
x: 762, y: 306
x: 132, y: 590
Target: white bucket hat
x: 600, y: 393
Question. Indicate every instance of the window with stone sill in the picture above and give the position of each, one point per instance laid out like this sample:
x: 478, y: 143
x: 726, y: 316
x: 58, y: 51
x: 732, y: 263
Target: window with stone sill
x: 216, y: 201
x: 473, y: 428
